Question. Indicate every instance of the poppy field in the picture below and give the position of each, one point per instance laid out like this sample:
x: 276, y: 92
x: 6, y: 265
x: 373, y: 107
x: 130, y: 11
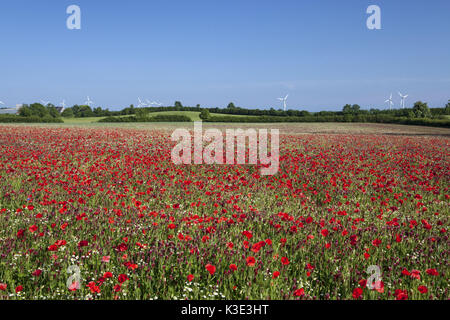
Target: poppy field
x: 110, y: 203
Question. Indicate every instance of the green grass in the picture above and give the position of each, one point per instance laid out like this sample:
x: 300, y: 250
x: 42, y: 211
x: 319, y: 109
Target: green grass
x: 82, y: 120
x: 192, y: 114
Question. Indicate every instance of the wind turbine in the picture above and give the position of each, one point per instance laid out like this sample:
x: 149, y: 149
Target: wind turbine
x: 45, y: 102
x: 284, y: 101
x: 402, y: 101
x: 153, y: 103
x: 63, y: 104
x: 141, y: 104
x: 390, y: 102
x: 88, y: 102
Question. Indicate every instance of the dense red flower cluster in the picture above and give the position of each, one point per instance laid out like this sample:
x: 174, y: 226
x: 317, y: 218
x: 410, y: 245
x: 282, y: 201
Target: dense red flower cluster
x: 112, y: 202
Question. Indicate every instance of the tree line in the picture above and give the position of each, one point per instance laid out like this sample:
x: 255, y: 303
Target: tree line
x: 419, y: 110
x: 349, y: 113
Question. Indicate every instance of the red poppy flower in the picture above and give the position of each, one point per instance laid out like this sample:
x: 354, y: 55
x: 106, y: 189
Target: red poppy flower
x: 401, y: 294
x: 406, y: 272
x: 357, y: 292
x: 233, y: 267
x: 37, y: 273
x: 251, y: 261
x: 82, y: 243
x: 248, y: 234
x: 299, y: 292
x: 122, y: 278
x: 190, y: 277
x: 422, y: 289
x: 415, y: 274
x: 363, y: 283
x: 432, y: 272
x: 284, y: 261
x: 93, y: 287
x: 211, y: 269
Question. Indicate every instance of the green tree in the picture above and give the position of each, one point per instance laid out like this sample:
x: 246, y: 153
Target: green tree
x: 447, y: 108
x: 347, y: 109
x: 351, y: 109
x: 38, y: 110
x: 141, y: 113
x: 356, y: 109
x: 67, y: 113
x: 178, y: 105
x: 204, y: 114
x: 421, y: 110
x: 25, y: 111
x: 231, y: 106
x: 53, y: 112
x: 98, y: 112
x: 84, y: 112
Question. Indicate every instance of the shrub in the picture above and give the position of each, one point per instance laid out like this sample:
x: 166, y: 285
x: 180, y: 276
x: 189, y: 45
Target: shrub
x: 157, y: 118
x: 204, y: 115
x: 10, y: 118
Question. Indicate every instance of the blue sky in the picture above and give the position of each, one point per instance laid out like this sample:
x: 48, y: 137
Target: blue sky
x: 212, y: 52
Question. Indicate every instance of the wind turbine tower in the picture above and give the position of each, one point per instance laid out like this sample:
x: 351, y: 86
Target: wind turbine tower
x: 402, y: 101
x: 284, y: 101
x: 141, y: 104
x: 390, y: 102
x: 88, y: 102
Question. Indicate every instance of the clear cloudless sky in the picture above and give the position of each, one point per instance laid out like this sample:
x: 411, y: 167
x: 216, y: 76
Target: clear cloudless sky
x: 212, y: 52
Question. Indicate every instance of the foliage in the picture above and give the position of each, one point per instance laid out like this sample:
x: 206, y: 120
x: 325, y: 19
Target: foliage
x: 157, y: 118
x: 421, y: 110
x: 205, y: 115
x: 11, y: 118
x: 39, y: 111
